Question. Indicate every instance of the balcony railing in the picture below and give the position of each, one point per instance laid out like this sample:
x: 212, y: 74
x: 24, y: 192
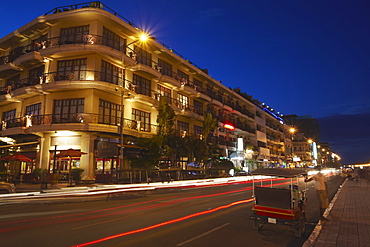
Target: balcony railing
x: 77, y: 118
x: 78, y: 75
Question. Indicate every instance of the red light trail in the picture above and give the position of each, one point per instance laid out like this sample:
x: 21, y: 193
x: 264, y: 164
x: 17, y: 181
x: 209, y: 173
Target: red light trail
x: 165, y: 223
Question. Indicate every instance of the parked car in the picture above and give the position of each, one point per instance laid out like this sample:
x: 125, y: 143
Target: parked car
x: 6, y: 188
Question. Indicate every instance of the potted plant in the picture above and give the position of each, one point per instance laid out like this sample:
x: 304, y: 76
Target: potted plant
x: 38, y: 174
x: 76, y: 174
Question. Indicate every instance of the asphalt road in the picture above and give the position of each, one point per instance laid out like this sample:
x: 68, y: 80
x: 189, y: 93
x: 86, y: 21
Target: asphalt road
x: 208, y: 216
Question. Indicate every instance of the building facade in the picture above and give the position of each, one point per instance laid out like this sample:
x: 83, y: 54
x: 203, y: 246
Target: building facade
x: 79, y: 78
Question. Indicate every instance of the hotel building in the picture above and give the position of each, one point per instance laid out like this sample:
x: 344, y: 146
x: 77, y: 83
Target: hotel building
x: 79, y: 77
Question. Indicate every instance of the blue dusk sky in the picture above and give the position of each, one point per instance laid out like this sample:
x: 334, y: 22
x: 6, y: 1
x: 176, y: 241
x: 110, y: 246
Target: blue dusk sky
x: 298, y: 57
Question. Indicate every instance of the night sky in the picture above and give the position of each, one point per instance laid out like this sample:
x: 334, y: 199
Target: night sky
x: 298, y: 57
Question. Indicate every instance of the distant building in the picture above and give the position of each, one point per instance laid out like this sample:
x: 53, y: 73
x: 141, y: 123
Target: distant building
x: 304, y: 124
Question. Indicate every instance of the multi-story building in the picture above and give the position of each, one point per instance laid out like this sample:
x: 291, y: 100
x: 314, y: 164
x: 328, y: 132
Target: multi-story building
x: 80, y: 78
x: 326, y: 154
x: 303, y: 151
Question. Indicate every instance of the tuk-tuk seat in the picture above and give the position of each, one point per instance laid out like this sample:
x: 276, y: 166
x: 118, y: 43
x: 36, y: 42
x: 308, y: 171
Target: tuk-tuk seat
x: 273, y: 197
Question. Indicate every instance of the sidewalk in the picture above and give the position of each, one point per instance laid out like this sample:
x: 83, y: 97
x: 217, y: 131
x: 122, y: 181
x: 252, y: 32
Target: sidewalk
x: 349, y: 218
x: 32, y: 187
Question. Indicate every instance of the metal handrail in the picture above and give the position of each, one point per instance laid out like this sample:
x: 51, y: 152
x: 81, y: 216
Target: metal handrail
x: 76, y: 118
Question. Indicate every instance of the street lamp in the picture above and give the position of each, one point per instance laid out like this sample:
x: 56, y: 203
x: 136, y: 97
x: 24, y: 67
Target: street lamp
x: 144, y: 37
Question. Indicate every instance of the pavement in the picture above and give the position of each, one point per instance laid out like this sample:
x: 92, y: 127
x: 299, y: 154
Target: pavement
x: 348, y: 216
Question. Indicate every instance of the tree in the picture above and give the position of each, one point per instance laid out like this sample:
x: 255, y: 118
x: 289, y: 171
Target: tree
x: 209, y: 125
x: 195, y: 148
x: 148, y: 158
x: 165, y: 120
x: 157, y: 146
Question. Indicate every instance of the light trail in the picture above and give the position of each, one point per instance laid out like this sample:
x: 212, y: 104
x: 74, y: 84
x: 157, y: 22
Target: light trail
x: 90, y: 212
x: 165, y: 223
x: 134, y: 210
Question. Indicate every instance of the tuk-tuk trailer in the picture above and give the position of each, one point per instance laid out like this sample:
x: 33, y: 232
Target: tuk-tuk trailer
x: 282, y: 206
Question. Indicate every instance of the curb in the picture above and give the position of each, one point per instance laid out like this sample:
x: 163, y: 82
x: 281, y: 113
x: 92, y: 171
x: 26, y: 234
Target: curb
x: 310, y: 242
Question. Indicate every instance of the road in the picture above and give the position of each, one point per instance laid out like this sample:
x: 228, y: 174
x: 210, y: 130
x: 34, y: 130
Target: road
x: 206, y: 216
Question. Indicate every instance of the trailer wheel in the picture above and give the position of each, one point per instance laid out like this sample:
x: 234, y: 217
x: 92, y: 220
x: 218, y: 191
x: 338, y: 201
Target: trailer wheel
x: 257, y: 225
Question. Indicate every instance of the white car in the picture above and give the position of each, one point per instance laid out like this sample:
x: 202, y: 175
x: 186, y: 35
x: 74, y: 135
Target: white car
x: 6, y: 188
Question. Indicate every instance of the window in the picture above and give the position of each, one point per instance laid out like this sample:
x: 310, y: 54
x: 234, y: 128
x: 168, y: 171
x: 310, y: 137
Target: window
x: 210, y: 92
x: 142, y: 85
x: 143, y: 56
x: 141, y: 120
x: 35, y: 75
x: 72, y: 69
x: 109, y: 113
x: 9, y: 115
x: 220, y: 97
x: 14, y: 82
x: 8, y: 119
x: 166, y: 68
x: 113, y: 40
x: 40, y: 42
x: 32, y: 115
x: 183, y: 101
x: 34, y: 110
x: 111, y: 73
x: 183, y: 128
x: 198, y: 84
x: 65, y: 110
x: 73, y: 34
x: 198, y: 107
x: 182, y: 77
x: 164, y: 91
x: 198, y: 131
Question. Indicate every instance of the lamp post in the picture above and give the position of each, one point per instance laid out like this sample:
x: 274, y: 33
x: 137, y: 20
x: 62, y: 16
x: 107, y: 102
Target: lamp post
x: 311, y: 157
x: 142, y: 38
x: 121, y: 133
x: 292, y: 131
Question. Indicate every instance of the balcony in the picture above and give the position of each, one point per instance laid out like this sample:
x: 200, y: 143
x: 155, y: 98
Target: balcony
x: 8, y: 68
x: 29, y: 59
x: 76, y: 122
x: 169, y: 81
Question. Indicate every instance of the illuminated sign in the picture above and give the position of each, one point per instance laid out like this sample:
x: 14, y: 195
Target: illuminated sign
x: 240, y: 146
x: 228, y: 126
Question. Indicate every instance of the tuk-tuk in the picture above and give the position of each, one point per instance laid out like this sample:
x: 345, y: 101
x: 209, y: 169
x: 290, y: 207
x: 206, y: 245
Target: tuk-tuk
x: 283, y: 206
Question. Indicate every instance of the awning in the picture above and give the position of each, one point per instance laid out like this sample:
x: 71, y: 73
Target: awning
x: 19, y: 144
